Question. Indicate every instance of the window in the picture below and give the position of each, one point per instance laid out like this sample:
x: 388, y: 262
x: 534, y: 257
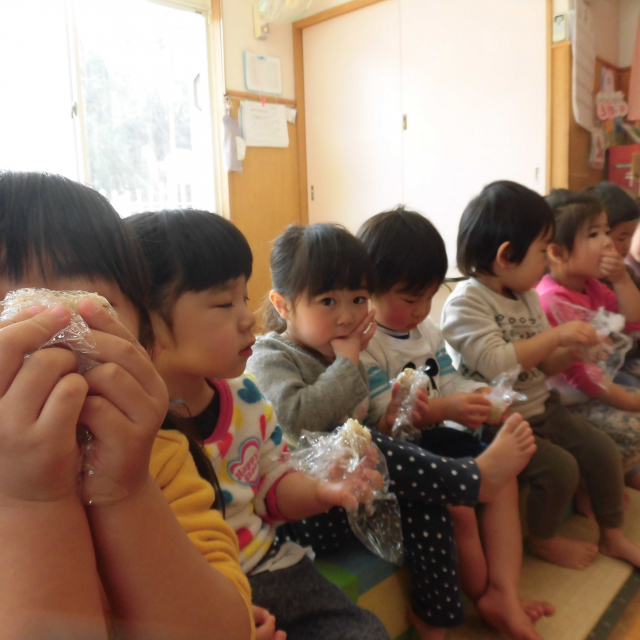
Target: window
x: 114, y: 93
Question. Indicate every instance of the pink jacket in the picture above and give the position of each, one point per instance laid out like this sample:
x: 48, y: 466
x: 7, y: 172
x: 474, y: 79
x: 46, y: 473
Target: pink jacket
x: 595, y: 295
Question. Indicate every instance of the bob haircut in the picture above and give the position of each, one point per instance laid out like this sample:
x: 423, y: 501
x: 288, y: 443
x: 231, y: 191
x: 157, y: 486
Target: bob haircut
x: 50, y: 224
x: 504, y: 211
x: 313, y: 260
x: 618, y: 205
x: 405, y: 249
x: 189, y: 250
x: 572, y: 210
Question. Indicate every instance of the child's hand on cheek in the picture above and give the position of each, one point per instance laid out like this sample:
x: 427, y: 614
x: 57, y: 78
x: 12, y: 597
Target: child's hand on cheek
x: 612, y: 266
x: 40, y: 401
x: 357, y: 341
x: 124, y: 410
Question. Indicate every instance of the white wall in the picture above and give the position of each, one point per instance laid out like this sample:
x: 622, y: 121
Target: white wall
x: 629, y: 14
x: 237, y: 29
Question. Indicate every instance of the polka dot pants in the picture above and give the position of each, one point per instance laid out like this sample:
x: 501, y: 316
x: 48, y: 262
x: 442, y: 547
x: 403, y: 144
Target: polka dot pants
x: 425, y: 484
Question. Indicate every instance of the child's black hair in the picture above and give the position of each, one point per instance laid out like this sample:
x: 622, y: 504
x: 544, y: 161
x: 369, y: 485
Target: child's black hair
x: 51, y: 223
x: 405, y: 249
x: 572, y: 210
x: 504, y: 211
x: 619, y: 206
x: 188, y: 250
x: 313, y: 260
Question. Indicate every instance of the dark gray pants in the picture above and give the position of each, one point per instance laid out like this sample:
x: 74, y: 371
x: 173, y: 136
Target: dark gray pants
x: 309, y: 607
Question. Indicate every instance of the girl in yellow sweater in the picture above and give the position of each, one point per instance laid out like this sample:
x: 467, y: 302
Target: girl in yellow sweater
x: 164, y: 559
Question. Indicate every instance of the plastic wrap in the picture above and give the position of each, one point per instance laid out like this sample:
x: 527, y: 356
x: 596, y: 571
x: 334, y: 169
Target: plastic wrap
x: 410, y: 381
x: 77, y: 335
x: 342, y: 454
x: 604, y: 359
x: 94, y: 488
x: 502, y: 394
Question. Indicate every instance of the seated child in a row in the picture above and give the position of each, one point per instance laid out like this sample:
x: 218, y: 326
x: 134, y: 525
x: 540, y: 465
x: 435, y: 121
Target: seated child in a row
x: 200, y: 266
x: 581, y: 252
x: 494, y: 321
x: 309, y: 368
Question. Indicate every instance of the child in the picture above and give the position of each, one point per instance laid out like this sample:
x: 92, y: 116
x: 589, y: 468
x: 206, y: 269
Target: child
x: 580, y: 253
x: 309, y: 367
x: 159, y: 577
x: 623, y: 215
x: 200, y: 265
x: 410, y: 263
x: 494, y: 321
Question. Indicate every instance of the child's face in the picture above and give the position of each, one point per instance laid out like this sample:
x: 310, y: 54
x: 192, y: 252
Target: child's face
x: 522, y: 277
x: 212, y: 333
x: 592, y: 241
x: 401, y: 311
x: 621, y: 236
x: 125, y: 309
x: 335, y: 314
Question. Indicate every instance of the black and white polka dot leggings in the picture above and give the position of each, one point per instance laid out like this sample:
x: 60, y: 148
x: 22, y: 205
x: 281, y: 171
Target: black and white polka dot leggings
x: 425, y: 484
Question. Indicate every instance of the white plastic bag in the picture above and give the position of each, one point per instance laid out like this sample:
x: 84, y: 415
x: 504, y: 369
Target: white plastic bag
x: 336, y: 455
x: 410, y: 381
x: 502, y: 394
x: 605, y: 359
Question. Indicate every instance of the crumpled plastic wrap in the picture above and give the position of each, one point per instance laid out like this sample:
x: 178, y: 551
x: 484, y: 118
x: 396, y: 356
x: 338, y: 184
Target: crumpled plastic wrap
x: 410, y: 380
x: 77, y: 336
x: 502, y: 394
x: 605, y: 359
x: 94, y: 488
x: 340, y: 454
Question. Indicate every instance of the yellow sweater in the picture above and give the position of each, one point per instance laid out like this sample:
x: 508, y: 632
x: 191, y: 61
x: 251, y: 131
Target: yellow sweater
x: 191, y: 497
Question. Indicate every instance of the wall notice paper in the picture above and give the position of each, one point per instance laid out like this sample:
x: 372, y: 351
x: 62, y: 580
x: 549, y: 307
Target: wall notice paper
x: 264, y: 125
x: 262, y: 74
x: 584, y: 64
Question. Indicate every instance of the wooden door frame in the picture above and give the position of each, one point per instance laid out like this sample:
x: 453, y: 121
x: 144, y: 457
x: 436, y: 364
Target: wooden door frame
x: 298, y: 70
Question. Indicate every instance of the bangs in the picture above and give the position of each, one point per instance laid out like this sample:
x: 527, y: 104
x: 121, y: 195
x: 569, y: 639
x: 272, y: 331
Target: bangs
x: 328, y: 259
x: 58, y: 226
x: 189, y: 250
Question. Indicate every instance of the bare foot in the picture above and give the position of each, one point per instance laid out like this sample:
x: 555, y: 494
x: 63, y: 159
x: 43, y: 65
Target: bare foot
x: 614, y: 543
x: 536, y: 609
x: 583, y: 501
x: 425, y: 631
x: 505, y: 614
x: 572, y: 554
x: 506, y: 457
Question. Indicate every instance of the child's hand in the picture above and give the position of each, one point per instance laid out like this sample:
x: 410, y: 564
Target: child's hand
x: 124, y: 410
x: 355, y: 488
x: 575, y: 333
x: 266, y: 625
x: 613, y: 267
x: 40, y: 401
x: 419, y: 412
x: 469, y: 409
x: 357, y: 341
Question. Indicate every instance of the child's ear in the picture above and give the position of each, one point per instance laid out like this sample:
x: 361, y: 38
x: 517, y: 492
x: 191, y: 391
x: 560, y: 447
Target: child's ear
x: 281, y: 304
x: 503, y: 257
x: 556, y: 254
x: 162, y: 332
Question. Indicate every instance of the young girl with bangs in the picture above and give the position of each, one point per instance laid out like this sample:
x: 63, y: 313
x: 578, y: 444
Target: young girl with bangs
x: 200, y: 265
x: 308, y: 365
x: 165, y: 561
x: 582, y: 253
